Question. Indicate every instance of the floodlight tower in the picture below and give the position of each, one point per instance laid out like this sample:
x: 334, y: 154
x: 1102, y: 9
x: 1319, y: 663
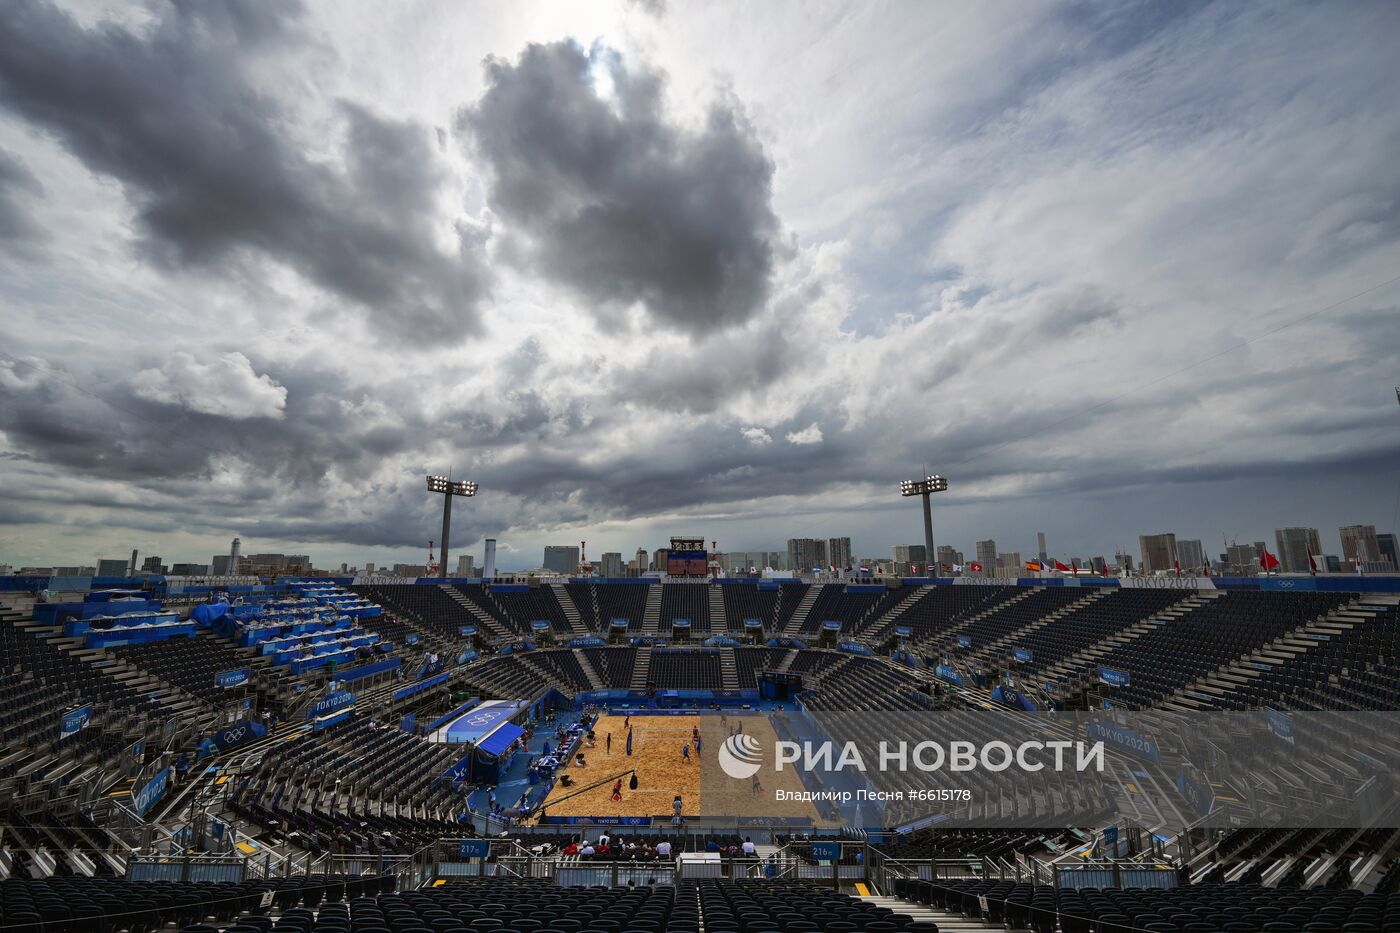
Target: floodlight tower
x: 447, y: 489
x: 926, y: 487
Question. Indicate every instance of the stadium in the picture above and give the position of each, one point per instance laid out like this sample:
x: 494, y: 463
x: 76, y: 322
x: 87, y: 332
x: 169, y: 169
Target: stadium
x: 696, y: 314
x: 447, y: 754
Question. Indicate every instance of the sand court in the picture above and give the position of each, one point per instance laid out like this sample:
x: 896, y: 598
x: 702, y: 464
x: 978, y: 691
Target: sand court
x: 663, y: 772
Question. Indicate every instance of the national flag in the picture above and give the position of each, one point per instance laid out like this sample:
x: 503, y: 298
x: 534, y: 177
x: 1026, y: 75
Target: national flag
x: 864, y: 569
x: 975, y: 567
x: 957, y: 568
x: 1061, y: 567
x: 1178, y: 567
x: 1268, y: 561
x: 1033, y: 566
x: 1074, y: 562
x: 1312, y: 565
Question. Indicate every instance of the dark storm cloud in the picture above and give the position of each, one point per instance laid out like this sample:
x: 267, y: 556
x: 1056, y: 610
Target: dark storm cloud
x: 206, y: 159
x: 613, y: 199
x: 17, y: 186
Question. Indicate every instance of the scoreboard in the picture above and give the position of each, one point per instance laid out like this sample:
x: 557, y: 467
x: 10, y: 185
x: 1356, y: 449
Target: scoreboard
x: 687, y: 558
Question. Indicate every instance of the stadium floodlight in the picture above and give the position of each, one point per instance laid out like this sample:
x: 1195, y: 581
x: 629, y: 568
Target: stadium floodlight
x: 448, y: 488
x: 925, y: 488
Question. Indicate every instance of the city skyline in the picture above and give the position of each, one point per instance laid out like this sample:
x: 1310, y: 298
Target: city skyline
x: 570, y: 552
x: 1101, y: 267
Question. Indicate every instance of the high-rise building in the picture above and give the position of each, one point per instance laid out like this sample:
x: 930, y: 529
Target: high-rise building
x: 189, y: 570
x: 466, y: 565
x: 488, y: 566
x: 910, y: 554
x: 111, y: 568
x: 1294, y: 546
x: 987, y: 555
x: 1385, y: 545
x: 410, y: 570
x: 1040, y: 546
x: 235, y: 555
x: 1192, y: 555
x: 610, y: 565
x: 660, y: 558
x: 1359, y: 544
x: 1158, y: 552
x: 805, y: 554
x: 1008, y: 565
x: 152, y: 564
x: 948, y: 556
x: 561, y: 558
x: 838, y: 552
x: 1242, y: 560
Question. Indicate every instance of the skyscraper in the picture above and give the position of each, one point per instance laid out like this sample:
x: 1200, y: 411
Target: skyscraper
x: 488, y: 568
x: 1359, y: 544
x: 611, y: 565
x: 1158, y: 552
x: 1040, y: 545
x: 1385, y: 544
x: 561, y: 558
x: 803, y: 554
x: 1192, y: 555
x: 1294, y: 545
x: 465, y: 565
x: 838, y: 552
x: 949, y: 556
x: 987, y: 555
x: 908, y: 554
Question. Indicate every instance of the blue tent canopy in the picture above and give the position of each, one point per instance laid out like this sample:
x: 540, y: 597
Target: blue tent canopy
x: 498, y: 741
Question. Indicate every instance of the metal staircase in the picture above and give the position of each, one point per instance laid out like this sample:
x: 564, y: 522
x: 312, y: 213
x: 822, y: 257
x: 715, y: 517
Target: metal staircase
x: 651, y: 618
x: 641, y: 667
x: 486, y: 622
x: 719, y: 620
x: 728, y: 669
x: 882, y: 627
x: 799, y: 615
x: 946, y: 921
x: 566, y: 603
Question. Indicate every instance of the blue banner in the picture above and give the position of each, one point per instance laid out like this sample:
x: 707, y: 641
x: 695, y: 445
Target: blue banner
x: 1114, y: 678
x: 238, y: 734
x: 228, y: 679
x: 330, y: 703
x: 1021, y: 655
x: 1134, y: 743
x: 150, y: 792
x: 1200, y: 796
x: 473, y: 848
x: 949, y: 674
x: 904, y: 631
x: 964, y: 641
x: 826, y: 851
x: 75, y: 720
x: 601, y: 820
x: 411, y: 638
x: 1281, y: 724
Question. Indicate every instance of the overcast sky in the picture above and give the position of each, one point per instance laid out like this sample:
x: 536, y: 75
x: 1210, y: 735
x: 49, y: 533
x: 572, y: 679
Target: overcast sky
x: 720, y: 269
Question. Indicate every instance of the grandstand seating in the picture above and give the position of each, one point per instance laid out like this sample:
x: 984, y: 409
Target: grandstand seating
x: 536, y: 603
x: 192, y: 663
x: 621, y: 601
x: 742, y: 601
x: 1091, y: 623
x: 749, y: 661
x: 1228, y: 908
x: 834, y: 603
x: 614, y: 665
x: 943, y: 608
x: 686, y: 602
x: 1358, y: 668
x: 686, y: 670
x: 1179, y: 651
x: 427, y: 606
